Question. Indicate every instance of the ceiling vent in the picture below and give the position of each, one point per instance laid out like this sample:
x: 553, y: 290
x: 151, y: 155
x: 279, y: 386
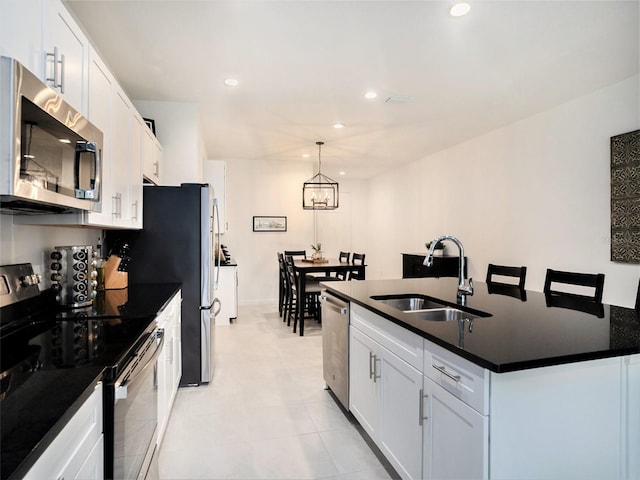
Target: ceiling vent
x: 399, y: 99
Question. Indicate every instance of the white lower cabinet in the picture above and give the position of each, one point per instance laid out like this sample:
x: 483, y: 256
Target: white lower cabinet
x: 632, y: 370
x: 401, y: 423
x: 77, y: 451
x: 364, y: 388
x: 169, y: 362
x: 385, y: 393
x: 456, y: 437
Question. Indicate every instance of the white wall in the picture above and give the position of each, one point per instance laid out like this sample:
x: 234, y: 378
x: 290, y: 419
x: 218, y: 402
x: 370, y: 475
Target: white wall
x: 275, y: 188
x: 535, y: 193
x: 179, y: 132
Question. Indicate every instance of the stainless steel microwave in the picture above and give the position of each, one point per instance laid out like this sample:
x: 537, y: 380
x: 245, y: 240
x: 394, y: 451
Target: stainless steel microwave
x: 50, y: 155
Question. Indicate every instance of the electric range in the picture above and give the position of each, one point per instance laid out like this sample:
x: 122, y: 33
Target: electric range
x: 51, y: 358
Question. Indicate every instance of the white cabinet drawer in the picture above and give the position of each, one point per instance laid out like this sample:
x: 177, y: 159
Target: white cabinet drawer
x: 66, y: 455
x: 404, y: 343
x: 462, y: 378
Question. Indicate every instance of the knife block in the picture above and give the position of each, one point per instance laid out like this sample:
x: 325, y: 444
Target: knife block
x: 113, y: 278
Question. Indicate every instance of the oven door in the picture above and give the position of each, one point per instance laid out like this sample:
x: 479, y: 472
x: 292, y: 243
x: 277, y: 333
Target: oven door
x: 136, y: 412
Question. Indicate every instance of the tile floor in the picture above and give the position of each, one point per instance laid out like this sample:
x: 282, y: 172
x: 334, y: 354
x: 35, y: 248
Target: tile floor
x: 266, y: 414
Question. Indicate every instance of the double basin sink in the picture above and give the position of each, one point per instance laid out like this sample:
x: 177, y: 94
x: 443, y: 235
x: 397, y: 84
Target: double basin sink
x: 427, y: 308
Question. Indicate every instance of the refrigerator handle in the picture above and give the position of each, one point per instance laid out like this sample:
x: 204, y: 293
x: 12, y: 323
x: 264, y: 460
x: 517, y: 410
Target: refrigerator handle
x: 216, y: 235
x: 216, y: 311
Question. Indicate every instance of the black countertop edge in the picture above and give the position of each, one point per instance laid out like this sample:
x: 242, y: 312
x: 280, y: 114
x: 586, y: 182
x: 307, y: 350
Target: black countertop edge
x: 359, y: 295
x: 23, y: 468
x: 145, y: 301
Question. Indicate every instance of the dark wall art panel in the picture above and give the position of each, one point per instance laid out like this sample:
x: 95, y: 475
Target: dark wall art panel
x: 625, y: 197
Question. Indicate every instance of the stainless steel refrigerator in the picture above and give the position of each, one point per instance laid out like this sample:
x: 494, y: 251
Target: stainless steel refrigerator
x: 176, y: 244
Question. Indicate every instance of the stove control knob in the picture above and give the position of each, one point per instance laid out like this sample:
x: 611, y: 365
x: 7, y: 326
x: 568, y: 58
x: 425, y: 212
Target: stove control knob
x: 55, y: 255
x: 56, y: 287
x: 56, y: 277
x: 56, y: 266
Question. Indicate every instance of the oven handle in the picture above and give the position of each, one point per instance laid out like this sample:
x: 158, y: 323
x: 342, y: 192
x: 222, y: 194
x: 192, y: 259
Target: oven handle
x: 130, y: 375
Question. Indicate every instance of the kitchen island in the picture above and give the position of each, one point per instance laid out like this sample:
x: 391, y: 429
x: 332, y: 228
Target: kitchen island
x: 517, y: 390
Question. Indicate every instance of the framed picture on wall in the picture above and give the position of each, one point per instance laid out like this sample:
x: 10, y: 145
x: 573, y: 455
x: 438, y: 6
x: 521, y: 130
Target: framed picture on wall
x: 269, y: 224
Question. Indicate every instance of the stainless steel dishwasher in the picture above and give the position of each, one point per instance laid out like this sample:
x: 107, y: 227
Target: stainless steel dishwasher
x: 335, y: 345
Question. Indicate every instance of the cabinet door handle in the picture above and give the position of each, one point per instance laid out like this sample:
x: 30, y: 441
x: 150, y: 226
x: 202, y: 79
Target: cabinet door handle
x: 156, y: 171
x: 375, y: 369
x: 421, y: 417
x: 56, y: 83
x: 135, y: 209
x: 62, y: 63
x: 372, y: 365
x: 443, y: 370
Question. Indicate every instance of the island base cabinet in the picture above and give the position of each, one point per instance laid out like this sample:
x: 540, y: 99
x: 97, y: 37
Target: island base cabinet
x: 364, y: 388
x: 385, y: 395
x: 564, y: 421
x: 632, y: 367
x: 401, y: 422
x: 456, y: 437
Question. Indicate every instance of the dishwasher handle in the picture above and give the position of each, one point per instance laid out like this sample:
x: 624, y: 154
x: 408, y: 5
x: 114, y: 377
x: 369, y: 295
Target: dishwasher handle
x: 334, y: 304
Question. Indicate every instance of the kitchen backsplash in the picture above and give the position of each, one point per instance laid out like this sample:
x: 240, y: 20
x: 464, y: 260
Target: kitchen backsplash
x: 33, y: 244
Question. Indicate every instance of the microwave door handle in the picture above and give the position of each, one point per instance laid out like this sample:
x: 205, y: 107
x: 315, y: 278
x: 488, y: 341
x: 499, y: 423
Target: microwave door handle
x: 86, y: 147
x: 121, y: 385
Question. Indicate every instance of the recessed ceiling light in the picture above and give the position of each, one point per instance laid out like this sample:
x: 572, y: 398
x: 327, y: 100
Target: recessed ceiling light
x: 231, y: 82
x: 460, y: 9
x: 305, y: 155
x: 64, y: 140
x: 342, y: 173
x: 370, y: 95
x: 338, y: 125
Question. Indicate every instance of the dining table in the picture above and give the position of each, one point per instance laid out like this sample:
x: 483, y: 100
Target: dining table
x: 303, y: 266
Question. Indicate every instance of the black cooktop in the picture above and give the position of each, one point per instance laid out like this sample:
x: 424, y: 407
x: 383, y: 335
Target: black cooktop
x: 52, y: 358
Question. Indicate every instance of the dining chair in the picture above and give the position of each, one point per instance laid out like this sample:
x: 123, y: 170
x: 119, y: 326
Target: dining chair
x: 311, y: 302
x: 591, y: 280
x: 357, y: 259
x: 506, y: 271
x: 282, y: 285
x: 295, y: 253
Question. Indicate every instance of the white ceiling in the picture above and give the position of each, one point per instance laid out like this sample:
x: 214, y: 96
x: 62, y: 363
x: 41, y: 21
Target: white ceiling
x: 304, y: 65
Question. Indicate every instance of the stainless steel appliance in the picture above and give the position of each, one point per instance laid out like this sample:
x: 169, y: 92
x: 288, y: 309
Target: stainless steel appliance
x: 335, y: 345
x: 72, y: 275
x: 135, y: 412
x: 176, y: 244
x: 50, y: 155
x: 49, y: 356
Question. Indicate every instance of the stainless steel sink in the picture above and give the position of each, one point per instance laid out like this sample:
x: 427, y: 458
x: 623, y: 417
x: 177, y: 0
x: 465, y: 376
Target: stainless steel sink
x: 409, y: 304
x: 425, y: 308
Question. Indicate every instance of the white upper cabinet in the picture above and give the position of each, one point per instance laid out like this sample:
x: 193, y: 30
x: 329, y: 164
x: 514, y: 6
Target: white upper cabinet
x: 65, y: 54
x: 151, y: 156
x: 44, y: 37
x: 20, y: 35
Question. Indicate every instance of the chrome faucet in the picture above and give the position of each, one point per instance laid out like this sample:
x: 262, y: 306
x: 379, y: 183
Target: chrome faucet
x: 463, y: 288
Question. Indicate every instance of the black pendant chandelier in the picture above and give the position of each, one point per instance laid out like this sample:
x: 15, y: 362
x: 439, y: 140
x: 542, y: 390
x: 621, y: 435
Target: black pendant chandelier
x: 320, y: 192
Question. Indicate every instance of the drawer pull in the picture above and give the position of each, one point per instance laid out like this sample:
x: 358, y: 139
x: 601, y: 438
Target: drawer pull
x: 441, y: 369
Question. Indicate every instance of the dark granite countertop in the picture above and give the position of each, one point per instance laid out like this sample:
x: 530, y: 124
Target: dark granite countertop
x: 520, y: 333
x: 44, y: 392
